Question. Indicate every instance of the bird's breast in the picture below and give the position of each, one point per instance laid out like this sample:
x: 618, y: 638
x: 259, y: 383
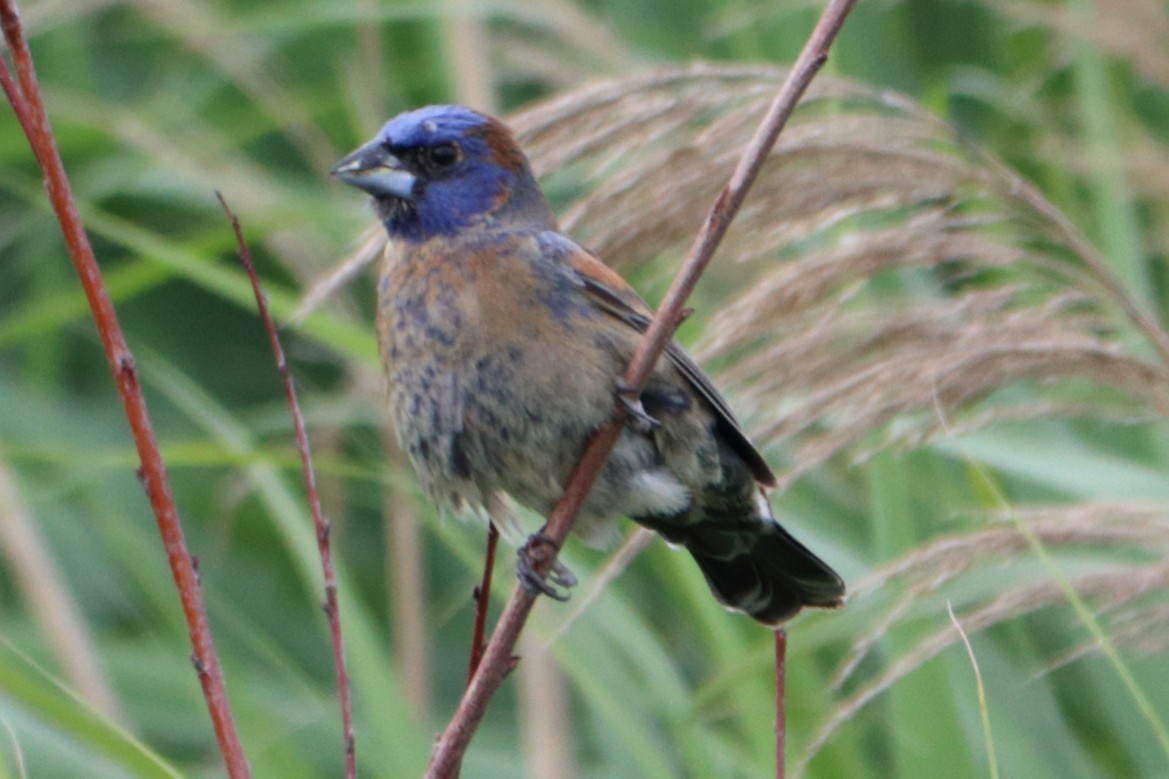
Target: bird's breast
x: 495, y: 381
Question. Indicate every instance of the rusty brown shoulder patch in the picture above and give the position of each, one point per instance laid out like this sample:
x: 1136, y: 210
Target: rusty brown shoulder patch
x: 504, y: 149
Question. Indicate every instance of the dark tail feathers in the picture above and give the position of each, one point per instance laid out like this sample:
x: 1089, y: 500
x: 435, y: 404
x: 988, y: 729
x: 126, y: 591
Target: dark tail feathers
x: 764, y: 572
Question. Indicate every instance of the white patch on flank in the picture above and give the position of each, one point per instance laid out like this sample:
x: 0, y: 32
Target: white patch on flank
x: 762, y: 506
x: 656, y: 492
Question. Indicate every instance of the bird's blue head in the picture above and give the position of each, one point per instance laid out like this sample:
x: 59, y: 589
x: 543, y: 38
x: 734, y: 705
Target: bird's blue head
x: 441, y: 169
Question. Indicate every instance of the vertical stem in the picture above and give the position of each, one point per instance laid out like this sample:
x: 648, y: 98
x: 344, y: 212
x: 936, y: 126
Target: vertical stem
x: 321, y: 525
x: 482, y: 601
x: 780, y: 699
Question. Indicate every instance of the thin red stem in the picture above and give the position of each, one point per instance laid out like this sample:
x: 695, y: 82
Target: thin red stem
x: 324, y: 546
x: 482, y: 601
x: 780, y: 702
x: 30, y: 112
x: 496, y: 663
x: 15, y: 99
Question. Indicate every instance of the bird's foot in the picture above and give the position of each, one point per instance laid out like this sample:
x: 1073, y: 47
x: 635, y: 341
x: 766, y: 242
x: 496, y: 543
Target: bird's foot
x: 639, y: 417
x: 538, y: 550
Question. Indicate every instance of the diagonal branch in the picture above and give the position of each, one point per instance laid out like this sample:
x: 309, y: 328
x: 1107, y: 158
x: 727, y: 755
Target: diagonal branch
x: 496, y: 662
x: 30, y: 112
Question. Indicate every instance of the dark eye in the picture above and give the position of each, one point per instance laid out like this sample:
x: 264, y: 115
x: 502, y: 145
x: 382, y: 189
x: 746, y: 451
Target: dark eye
x: 444, y: 154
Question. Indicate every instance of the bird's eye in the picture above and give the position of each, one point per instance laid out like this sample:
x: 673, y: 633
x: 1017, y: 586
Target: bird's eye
x: 444, y: 154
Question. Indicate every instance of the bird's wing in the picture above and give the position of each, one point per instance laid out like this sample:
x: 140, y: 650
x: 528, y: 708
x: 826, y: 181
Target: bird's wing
x: 609, y: 292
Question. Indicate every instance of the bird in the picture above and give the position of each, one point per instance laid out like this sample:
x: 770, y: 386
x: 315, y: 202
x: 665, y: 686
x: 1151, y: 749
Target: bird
x: 503, y: 343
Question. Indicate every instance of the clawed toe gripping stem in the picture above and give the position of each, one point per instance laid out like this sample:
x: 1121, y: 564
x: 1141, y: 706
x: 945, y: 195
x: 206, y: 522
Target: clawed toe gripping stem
x: 630, y: 397
x: 536, y: 552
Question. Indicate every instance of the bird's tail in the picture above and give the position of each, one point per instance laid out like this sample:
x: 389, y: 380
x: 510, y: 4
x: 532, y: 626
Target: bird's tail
x: 763, y: 572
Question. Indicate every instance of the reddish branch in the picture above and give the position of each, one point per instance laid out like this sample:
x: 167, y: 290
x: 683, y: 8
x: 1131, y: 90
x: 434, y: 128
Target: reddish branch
x: 780, y: 698
x: 482, y: 601
x: 310, y: 482
x: 25, y: 98
x: 496, y: 663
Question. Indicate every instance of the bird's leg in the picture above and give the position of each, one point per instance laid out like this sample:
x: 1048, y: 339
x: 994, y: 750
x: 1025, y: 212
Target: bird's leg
x: 631, y: 399
x: 539, y: 549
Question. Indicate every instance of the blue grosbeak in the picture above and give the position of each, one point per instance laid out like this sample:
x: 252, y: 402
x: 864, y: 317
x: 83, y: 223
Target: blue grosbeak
x: 503, y: 342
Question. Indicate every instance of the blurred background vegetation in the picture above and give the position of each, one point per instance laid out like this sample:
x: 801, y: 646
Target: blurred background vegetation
x: 942, y: 314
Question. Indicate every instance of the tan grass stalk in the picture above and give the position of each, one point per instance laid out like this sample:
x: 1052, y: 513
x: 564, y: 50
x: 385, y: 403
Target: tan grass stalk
x: 51, y: 604
x: 546, y: 725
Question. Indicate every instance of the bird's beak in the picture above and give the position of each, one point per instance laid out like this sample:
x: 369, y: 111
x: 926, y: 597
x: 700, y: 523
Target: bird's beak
x: 374, y: 169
